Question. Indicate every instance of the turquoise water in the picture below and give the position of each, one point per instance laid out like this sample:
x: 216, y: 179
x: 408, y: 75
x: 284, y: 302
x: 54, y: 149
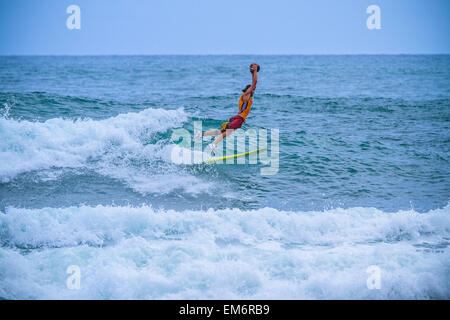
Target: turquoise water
x: 86, y: 178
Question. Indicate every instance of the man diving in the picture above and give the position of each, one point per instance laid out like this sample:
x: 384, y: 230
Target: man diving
x: 245, y: 104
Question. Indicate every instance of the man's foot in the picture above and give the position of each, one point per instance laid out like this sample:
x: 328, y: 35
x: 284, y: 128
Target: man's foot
x: 198, y: 135
x: 212, y: 149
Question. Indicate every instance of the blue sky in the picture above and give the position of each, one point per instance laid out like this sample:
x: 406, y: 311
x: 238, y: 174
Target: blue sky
x: 30, y: 27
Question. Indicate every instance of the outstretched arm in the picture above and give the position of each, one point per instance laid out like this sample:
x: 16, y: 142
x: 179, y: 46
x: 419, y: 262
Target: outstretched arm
x: 254, y: 78
x: 252, y: 88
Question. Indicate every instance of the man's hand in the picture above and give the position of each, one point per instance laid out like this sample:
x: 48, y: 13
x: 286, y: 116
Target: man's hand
x: 254, y: 67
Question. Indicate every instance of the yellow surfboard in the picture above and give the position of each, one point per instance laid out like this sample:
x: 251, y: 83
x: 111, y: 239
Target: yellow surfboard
x: 235, y: 155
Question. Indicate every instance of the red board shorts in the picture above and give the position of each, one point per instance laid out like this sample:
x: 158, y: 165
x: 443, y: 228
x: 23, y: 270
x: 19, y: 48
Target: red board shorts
x: 234, y: 123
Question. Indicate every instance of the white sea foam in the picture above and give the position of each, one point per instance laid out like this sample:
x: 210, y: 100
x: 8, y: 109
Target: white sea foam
x: 116, y: 147
x: 139, y: 252
x: 27, y: 146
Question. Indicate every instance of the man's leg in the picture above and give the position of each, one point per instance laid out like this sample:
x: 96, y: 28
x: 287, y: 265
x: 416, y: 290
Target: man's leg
x: 213, y: 145
x: 212, y: 133
x: 223, y: 135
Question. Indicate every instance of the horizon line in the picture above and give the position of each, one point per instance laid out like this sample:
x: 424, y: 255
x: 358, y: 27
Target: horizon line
x: 224, y: 54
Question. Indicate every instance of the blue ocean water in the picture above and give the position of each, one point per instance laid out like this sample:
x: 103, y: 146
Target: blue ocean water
x: 86, y: 178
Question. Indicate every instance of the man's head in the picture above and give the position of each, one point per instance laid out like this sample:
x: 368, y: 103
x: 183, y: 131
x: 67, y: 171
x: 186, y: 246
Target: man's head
x: 246, y: 88
x: 254, y: 66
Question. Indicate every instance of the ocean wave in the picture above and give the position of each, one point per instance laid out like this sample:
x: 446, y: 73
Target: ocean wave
x: 27, y: 146
x: 62, y: 226
x: 143, y: 253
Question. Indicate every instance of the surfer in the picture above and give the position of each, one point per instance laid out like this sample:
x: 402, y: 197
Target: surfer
x: 245, y: 104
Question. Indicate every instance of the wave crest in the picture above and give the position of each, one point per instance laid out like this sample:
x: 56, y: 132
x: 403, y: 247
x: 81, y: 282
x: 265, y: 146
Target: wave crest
x: 142, y: 253
x: 27, y: 146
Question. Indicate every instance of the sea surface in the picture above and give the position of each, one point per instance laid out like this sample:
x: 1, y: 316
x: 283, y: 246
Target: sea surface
x: 87, y: 179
